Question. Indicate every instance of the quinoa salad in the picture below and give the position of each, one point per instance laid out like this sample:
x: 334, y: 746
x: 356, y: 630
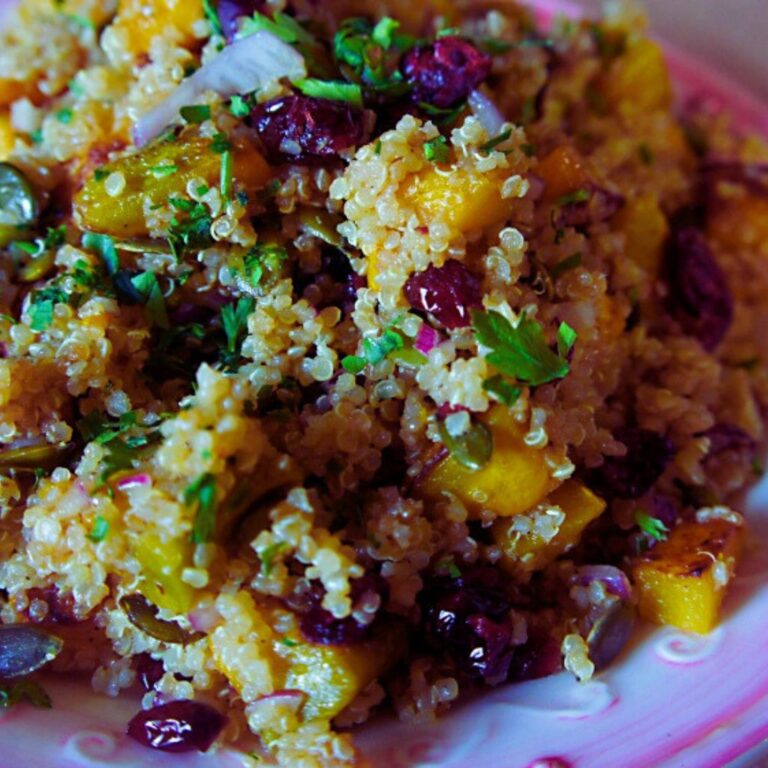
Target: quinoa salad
x: 356, y: 356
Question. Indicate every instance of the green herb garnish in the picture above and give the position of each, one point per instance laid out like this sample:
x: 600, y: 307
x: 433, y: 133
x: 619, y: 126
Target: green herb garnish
x: 651, y: 525
x: 240, y: 106
x: 489, y: 146
x: 104, y: 245
x: 161, y: 171
x: 65, y: 116
x: 226, y: 175
x: 212, y: 15
x: 154, y: 303
x: 202, y: 495
x: 99, y: 529
x: 577, y: 196
x: 437, y: 150
x: 502, y: 390
x: 268, y: 554
x: 333, y: 90
x: 196, y: 114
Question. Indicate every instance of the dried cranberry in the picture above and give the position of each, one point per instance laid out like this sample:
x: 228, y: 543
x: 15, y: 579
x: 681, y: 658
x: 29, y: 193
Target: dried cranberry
x: 61, y: 605
x: 466, y: 618
x: 729, y: 437
x: 321, y: 627
x: 446, y: 72
x: 148, y: 670
x: 301, y: 129
x: 539, y: 657
x: 230, y: 11
x: 699, y: 297
x: 601, y: 206
x: 179, y: 726
x: 447, y: 293
x: 632, y: 475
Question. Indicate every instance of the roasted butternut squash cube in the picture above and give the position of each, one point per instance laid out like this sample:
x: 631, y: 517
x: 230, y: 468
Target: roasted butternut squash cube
x: 6, y: 136
x: 138, y: 22
x: 682, y: 581
x: 638, y: 81
x: 646, y: 229
x: 515, y: 479
x: 562, y: 172
x: 532, y: 551
x: 332, y: 676
x: 162, y: 563
x: 156, y: 173
x: 463, y: 199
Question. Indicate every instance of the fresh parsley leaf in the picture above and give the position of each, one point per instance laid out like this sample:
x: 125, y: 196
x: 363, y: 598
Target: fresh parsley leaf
x: 489, y: 146
x: 240, y: 106
x: 98, y: 428
x: 99, y: 529
x: 260, y: 264
x: 196, y: 114
x: 333, y: 90
x: 192, y: 232
x: 502, y: 390
x: 104, y: 245
x: 201, y: 494
x: 119, y: 456
x: 268, y: 554
x: 65, y: 116
x: 41, y: 314
x: 234, y: 321
x: 651, y: 525
x: 384, y: 32
x: 566, y: 338
x: 220, y: 143
x: 147, y: 286
x: 379, y: 349
x: 212, y: 15
x: 160, y: 171
x: 577, y: 196
x: 437, y: 150
x: 354, y: 364
x: 519, y: 351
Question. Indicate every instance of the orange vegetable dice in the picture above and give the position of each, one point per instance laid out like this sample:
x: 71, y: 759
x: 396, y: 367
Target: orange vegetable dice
x: 156, y: 173
x: 638, y: 81
x: 6, y: 136
x: 562, y: 172
x: 646, y: 228
x: 682, y: 581
x: 138, y: 22
x: 515, y: 479
x: 525, y: 553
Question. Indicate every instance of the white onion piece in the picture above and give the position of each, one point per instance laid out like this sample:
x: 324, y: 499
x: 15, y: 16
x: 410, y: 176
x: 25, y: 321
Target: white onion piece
x: 486, y: 112
x: 244, y: 66
x: 614, y: 579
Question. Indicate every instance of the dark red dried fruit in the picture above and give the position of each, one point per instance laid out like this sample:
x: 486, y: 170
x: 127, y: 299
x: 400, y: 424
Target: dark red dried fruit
x: 632, y: 475
x: 232, y: 10
x: 148, y: 670
x: 539, y: 657
x: 179, y: 726
x: 447, y: 293
x: 446, y: 72
x: 699, y: 297
x: 301, y: 129
x: 729, y: 437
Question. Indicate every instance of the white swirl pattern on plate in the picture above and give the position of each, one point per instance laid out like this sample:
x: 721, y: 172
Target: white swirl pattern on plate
x: 94, y: 748
x: 676, y: 647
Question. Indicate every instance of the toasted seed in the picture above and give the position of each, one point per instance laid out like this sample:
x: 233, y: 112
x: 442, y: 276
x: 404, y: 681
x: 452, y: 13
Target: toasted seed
x: 143, y: 615
x: 25, y: 649
x: 610, y: 633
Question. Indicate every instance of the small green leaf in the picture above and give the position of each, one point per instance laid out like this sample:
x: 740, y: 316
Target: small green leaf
x: 268, y: 554
x: 212, y: 15
x: 566, y: 338
x: 41, y: 315
x: 239, y: 106
x: 502, y: 390
x: 161, y: 171
x: 234, y: 320
x: 201, y: 494
x: 196, y: 114
x: 384, y: 32
x: 333, y: 90
x: 489, y: 146
x: 154, y: 302
x: 354, y: 364
x: 651, y: 525
x: 437, y: 150
x: 99, y: 530
x: 104, y: 245
x: 577, y: 196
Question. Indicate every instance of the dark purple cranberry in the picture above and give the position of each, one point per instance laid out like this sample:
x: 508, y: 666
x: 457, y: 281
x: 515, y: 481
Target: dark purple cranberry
x: 446, y: 72
x: 301, y: 129
x: 632, y: 475
x: 728, y: 437
x: 601, y: 206
x: 467, y: 619
x: 230, y: 11
x: 179, y: 726
x: 699, y: 297
x: 539, y: 657
x: 448, y: 293
x: 148, y: 670
x: 319, y: 626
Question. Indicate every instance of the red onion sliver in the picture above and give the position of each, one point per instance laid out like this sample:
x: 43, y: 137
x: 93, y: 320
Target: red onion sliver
x: 427, y: 339
x: 614, y: 579
x: 244, y: 66
x: 134, y: 480
x: 486, y: 112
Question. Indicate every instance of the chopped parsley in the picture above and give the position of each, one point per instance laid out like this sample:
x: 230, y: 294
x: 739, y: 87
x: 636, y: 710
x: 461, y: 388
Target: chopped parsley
x: 504, y: 391
x: 380, y: 349
x: 99, y: 529
x: 148, y: 288
x: 97, y: 428
x: 651, y: 525
x: 41, y: 314
x: 196, y: 114
x: 104, y: 245
x: 521, y: 351
x: 268, y: 554
x: 567, y: 264
x: 194, y: 231
x: 226, y: 179
x: 489, y: 146
x: 65, y: 116
x: 281, y: 25
x: 241, y: 106
x: 577, y: 196
x: 201, y: 495
x: 161, y: 171
x: 437, y: 150
x: 221, y: 143
x: 212, y: 16
x: 333, y: 90
x: 261, y: 262
x: 354, y: 364
x: 234, y: 321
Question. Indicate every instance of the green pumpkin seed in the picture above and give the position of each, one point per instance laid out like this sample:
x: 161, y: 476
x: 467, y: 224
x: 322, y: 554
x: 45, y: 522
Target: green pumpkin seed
x: 19, y: 207
x: 25, y: 649
x: 322, y: 225
x: 473, y: 448
x: 610, y: 633
x: 31, y: 457
x: 37, y: 268
x: 142, y: 614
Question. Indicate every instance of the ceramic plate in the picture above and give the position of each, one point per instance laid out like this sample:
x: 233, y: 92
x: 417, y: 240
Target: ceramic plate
x: 672, y: 701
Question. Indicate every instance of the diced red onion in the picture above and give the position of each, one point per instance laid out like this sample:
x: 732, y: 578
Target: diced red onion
x: 427, y: 339
x: 486, y: 112
x: 614, y: 579
x: 132, y: 481
x: 242, y: 67
x: 204, y: 619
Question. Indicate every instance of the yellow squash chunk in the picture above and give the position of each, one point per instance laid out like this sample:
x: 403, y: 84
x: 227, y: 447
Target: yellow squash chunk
x: 138, y: 22
x: 156, y: 173
x: 162, y: 563
x: 646, y: 228
x: 532, y: 552
x: 6, y: 136
x: 562, y: 172
x: 332, y: 676
x: 740, y: 224
x: 515, y: 479
x: 638, y: 81
x: 682, y: 580
x: 464, y: 199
